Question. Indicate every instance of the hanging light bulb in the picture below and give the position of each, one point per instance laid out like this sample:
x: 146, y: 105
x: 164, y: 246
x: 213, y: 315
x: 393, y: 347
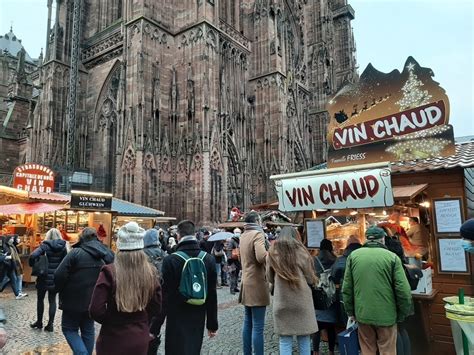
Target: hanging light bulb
x: 384, y: 212
x: 425, y: 204
x: 353, y: 213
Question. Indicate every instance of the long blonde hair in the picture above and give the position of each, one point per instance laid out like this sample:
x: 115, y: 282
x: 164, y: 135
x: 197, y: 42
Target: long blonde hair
x: 136, y: 281
x: 284, y: 255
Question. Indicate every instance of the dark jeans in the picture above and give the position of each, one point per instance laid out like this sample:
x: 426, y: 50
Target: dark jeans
x: 252, y: 333
x: 40, y: 305
x: 331, y: 330
x: 71, y: 323
x: 11, y: 277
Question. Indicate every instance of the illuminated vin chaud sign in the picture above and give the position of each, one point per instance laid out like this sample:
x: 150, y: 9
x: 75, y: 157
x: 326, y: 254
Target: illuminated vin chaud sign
x: 389, y: 117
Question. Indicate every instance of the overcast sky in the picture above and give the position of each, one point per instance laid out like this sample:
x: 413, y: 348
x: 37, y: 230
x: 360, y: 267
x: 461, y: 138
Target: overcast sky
x: 437, y: 33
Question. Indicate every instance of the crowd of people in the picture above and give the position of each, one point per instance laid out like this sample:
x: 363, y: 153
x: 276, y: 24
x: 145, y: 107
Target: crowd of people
x: 155, y: 279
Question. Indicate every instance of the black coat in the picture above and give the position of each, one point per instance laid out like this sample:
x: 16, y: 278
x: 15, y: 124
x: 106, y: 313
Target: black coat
x: 77, y: 274
x: 206, y: 245
x: 339, y: 266
x: 185, y: 322
x: 56, y: 251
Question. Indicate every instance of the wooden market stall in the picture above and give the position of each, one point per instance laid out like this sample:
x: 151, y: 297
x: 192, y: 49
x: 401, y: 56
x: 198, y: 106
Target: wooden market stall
x: 449, y: 199
x: 440, y: 192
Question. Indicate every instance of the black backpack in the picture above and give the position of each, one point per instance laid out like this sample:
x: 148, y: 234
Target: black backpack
x: 40, y: 267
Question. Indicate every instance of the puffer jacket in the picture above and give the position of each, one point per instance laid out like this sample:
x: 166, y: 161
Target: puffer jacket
x: 375, y: 289
x: 77, y: 274
x: 55, y: 250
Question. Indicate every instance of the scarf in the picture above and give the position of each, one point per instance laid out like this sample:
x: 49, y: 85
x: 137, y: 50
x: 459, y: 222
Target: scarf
x: 253, y: 227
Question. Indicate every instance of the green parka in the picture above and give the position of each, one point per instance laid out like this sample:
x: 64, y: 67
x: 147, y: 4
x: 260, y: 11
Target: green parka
x: 375, y: 288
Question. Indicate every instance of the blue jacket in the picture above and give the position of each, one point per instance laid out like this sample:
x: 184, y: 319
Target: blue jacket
x: 55, y: 250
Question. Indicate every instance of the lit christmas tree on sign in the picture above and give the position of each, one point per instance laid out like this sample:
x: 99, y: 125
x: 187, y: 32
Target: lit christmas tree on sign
x: 413, y: 96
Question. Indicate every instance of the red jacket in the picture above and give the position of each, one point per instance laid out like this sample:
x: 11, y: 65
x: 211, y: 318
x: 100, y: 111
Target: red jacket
x: 121, y: 333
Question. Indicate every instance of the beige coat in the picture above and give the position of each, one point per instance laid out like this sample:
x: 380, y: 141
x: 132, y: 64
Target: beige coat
x: 254, y: 290
x: 293, y: 311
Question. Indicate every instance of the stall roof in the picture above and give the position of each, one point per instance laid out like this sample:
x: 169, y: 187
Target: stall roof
x: 53, y: 197
x: 463, y: 158
x: 30, y: 208
x: 125, y: 208
x: 408, y: 192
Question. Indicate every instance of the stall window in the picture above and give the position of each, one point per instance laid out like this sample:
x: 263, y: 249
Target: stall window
x: 71, y: 225
x: 83, y: 220
x: 60, y: 218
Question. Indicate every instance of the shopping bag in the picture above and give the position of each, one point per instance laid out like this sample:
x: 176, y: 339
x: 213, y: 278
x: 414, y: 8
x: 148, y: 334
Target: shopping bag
x: 349, y: 340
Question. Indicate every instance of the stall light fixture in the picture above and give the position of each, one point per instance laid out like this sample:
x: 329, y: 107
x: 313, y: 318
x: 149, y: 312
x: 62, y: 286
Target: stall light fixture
x: 81, y: 212
x: 353, y: 213
x: 97, y: 212
x: 321, y: 210
x: 425, y: 204
x: 372, y: 214
x: 336, y: 211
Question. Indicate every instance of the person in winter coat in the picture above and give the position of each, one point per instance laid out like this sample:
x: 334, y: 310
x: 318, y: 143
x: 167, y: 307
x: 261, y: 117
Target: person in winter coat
x: 155, y: 256
x: 152, y: 248
x: 290, y: 270
x: 337, y: 274
x: 327, y: 318
x: 339, y: 266
x: 205, y: 244
x: 254, y: 291
x: 233, y: 262
x: 126, y: 295
x: 75, y: 279
x: 55, y: 249
x: 376, y: 293
x: 218, y: 253
x: 11, y: 263
x: 185, y: 322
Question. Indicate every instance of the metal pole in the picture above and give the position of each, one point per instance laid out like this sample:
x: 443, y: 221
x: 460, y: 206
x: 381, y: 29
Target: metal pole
x: 72, y: 94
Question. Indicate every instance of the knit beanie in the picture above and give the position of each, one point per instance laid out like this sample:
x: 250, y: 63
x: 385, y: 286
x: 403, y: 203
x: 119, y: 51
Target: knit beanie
x: 151, y: 238
x: 130, y: 237
x: 467, y: 229
x: 375, y: 233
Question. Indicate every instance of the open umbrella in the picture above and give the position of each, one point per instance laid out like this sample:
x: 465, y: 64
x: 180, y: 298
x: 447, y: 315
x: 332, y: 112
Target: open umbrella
x: 220, y: 236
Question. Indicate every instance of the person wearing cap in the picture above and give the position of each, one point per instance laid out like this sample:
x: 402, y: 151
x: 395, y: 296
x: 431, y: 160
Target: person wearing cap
x: 376, y: 293
x: 233, y: 262
x: 127, y: 294
x: 467, y: 234
x: 75, y: 279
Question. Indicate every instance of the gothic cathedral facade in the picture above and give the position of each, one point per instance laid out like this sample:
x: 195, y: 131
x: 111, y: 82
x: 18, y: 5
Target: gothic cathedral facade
x: 189, y: 106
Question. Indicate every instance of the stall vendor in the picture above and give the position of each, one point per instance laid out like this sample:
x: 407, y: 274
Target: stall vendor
x: 418, y: 235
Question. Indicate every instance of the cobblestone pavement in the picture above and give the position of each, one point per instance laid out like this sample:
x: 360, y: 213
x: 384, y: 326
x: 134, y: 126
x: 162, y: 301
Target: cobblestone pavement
x: 26, y: 341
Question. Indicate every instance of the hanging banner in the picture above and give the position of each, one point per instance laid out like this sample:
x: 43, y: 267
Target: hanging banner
x: 351, y: 189
x: 33, y: 178
x: 389, y: 117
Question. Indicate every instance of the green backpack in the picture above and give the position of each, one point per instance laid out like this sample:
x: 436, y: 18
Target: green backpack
x: 193, y: 284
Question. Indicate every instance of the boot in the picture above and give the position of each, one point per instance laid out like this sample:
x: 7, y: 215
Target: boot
x: 49, y: 327
x: 36, y: 325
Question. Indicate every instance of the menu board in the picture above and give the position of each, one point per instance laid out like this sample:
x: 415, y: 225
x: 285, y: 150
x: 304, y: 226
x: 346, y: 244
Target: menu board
x: 452, y: 257
x: 315, y: 232
x: 448, y: 215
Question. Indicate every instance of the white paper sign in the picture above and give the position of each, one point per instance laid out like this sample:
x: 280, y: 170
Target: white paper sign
x: 315, y: 233
x: 452, y: 255
x: 352, y: 189
x: 448, y: 216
